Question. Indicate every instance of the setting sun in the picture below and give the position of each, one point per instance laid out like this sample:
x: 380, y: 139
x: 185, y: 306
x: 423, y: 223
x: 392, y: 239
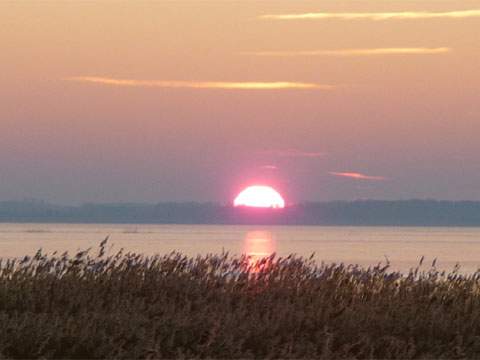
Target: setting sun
x: 259, y: 196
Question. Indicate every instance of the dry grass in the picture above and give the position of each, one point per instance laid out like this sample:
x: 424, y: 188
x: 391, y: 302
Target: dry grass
x: 218, y: 306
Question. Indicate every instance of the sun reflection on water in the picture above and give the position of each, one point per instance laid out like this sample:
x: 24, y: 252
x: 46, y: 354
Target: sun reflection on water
x: 258, y: 245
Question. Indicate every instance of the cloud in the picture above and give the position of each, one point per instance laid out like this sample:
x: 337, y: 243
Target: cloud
x: 269, y: 167
x: 276, y: 85
x: 295, y: 153
x: 355, y: 52
x: 357, y: 176
x: 378, y: 16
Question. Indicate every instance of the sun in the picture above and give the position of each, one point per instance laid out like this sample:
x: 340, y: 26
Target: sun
x: 259, y: 196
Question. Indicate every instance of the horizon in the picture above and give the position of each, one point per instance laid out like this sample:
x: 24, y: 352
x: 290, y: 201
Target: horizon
x: 421, y: 213
x: 230, y: 203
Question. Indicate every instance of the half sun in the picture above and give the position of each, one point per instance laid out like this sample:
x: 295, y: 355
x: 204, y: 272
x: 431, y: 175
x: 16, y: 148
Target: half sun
x: 259, y: 196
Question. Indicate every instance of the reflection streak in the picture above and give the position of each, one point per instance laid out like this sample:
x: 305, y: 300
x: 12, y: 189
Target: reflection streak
x: 258, y: 245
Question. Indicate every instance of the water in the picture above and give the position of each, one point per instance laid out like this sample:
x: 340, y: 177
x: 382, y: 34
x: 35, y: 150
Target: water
x: 366, y: 246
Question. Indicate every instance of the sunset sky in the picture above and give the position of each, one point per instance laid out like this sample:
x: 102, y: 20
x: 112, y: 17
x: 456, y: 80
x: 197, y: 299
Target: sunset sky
x: 179, y: 101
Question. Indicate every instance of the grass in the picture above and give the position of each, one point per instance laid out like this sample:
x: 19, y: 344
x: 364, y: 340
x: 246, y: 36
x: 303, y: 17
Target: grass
x: 93, y: 305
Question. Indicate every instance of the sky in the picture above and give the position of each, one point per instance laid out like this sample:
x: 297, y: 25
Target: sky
x: 194, y: 100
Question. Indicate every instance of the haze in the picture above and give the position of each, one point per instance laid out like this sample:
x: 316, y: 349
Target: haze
x: 192, y: 101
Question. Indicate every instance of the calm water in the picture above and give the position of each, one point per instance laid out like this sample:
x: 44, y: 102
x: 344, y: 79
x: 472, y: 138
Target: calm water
x: 359, y: 245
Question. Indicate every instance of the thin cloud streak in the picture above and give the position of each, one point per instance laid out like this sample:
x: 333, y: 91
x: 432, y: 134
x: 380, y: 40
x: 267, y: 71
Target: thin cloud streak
x: 354, y: 52
x: 357, y: 176
x: 269, y: 167
x: 295, y: 153
x: 275, y: 85
x: 377, y: 16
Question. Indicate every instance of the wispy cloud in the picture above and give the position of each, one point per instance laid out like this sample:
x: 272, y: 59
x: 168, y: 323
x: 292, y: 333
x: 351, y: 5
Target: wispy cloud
x: 269, y: 167
x: 357, y: 176
x: 295, y: 153
x: 378, y: 16
x: 354, y: 52
x: 275, y: 85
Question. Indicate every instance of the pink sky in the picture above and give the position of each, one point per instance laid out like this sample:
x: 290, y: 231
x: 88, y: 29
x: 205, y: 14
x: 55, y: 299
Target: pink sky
x: 161, y: 101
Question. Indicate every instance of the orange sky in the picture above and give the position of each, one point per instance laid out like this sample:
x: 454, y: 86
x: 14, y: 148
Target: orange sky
x: 156, y: 101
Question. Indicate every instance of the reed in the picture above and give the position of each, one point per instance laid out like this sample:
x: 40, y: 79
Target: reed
x: 126, y: 305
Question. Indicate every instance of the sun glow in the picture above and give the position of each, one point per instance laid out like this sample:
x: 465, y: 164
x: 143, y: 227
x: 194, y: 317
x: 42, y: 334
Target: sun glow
x: 259, y: 196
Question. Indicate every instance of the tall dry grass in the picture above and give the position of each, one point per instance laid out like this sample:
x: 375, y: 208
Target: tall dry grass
x: 93, y: 305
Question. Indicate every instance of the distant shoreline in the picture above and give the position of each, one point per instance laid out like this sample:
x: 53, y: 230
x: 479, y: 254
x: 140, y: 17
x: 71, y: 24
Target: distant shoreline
x: 421, y: 213
x: 47, y: 222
